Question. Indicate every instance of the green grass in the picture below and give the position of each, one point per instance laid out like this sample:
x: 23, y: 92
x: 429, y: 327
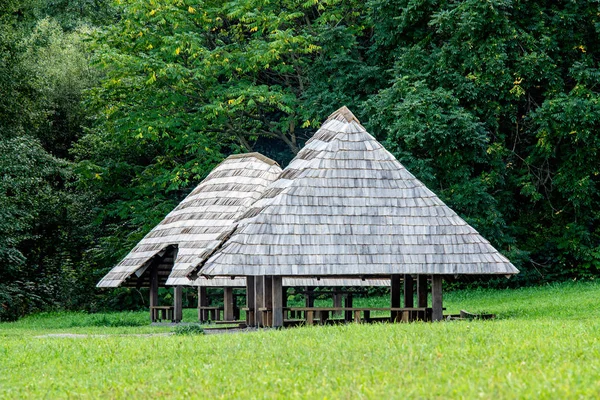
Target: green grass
x: 544, y: 344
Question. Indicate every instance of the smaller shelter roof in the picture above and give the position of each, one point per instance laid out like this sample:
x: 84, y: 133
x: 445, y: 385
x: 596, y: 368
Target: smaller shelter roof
x: 195, y: 226
x: 345, y: 206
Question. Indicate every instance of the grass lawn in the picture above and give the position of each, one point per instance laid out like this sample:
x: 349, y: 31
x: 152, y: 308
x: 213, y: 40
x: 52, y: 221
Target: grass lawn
x: 544, y: 344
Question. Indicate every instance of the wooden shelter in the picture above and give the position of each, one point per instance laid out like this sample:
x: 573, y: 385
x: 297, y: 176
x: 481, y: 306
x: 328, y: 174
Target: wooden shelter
x: 193, y: 229
x: 346, y: 208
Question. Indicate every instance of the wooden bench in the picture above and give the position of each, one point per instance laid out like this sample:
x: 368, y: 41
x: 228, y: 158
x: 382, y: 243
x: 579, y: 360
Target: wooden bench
x: 214, y: 313
x: 162, y: 313
x: 322, y: 314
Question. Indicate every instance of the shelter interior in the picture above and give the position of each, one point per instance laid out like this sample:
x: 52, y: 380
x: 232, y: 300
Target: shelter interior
x: 412, y: 298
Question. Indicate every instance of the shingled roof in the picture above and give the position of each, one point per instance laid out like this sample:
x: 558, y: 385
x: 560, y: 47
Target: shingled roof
x: 194, y: 227
x: 345, y: 206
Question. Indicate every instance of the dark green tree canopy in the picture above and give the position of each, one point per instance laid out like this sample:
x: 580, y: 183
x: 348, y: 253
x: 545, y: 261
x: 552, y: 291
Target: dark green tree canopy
x: 112, y: 111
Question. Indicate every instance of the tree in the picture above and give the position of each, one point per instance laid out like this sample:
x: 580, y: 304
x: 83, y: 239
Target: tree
x: 44, y: 230
x: 483, y: 101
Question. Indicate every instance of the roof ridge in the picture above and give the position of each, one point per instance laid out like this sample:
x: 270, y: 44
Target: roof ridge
x: 343, y: 114
x: 254, y: 154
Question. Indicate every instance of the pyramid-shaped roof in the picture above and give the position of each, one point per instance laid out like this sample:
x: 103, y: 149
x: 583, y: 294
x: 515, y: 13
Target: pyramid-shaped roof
x: 194, y: 227
x: 345, y: 206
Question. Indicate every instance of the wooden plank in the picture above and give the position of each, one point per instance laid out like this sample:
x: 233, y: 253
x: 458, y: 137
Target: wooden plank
x: 268, y: 300
x: 405, y: 316
x: 258, y: 299
x: 202, y: 302
x: 284, y: 296
x: 348, y: 304
x: 310, y: 317
x: 277, y: 291
x: 436, y: 298
x: 177, y: 303
x: 409, y: 291
x: 394, y: 295
x: 337, y: 302
x: 250, y: 300
x: 422, y: 292
x: 357, y: 316
x: 153, y: 291
x: 228, y: 304
x: 309, y: 298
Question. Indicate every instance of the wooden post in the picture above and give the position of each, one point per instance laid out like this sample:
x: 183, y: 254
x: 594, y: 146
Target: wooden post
x: 284, y: 297
x: 153, y: 290
x: 394, y: 296
x: 309, y: 299
x: 310, y: 317
x: 250, y: 300
x: 284, y: 301
x: 422, y: 292
x: 177, y: 303
x: 277, y: 290
x: 337, y: 302
x: 348, y: 304
x: 268, y: 300
x: 202, y: 302
x: 258, y: 299
x: 409, y: 291
x: 227, y: 304
x: 436, y: 298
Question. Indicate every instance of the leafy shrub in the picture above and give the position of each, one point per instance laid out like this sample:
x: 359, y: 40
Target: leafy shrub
x: 193, y: 329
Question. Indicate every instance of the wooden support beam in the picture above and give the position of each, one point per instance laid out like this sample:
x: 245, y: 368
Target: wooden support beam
x: 153, y: 290
x: 202, y: 302
x: 323, y: 317
x: 409, y: 291
x: 284, y: 297
x: 268, y: 300
x: 422, y: 291
x: 309, y: 298
x: 348, y: 304
x: 177, y: 303
x: 337, y: 302
x: 310, y: 317
x: 228, y: 304
x: 258, y: 299
x: 277, y: 295
x: 395, y: 296
x: 436, y: 298
x: 250, y: 301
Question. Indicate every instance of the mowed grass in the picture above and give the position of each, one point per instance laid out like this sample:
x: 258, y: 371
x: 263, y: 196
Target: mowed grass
x: 544, y: 344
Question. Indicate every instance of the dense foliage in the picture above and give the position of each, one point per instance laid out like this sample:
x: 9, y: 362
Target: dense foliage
x: 111, y: 113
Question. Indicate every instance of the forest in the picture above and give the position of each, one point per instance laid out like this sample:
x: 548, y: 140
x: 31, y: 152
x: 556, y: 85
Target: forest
x: 111, y: 112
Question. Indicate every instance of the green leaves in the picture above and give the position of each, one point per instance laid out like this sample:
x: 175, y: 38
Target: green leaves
x: 494, y: 104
